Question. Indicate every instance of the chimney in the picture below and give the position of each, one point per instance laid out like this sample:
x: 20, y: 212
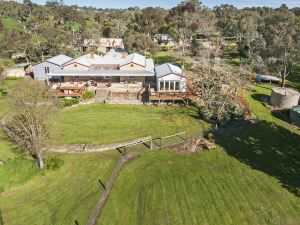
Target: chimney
x: 124, y: 55
x: 92, y: 55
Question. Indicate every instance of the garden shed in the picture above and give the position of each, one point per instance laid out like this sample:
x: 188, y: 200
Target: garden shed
x: 284, y: 97
x: 295, y: 115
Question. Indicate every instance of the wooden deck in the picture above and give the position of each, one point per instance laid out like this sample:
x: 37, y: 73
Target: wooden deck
x: 69, y: 91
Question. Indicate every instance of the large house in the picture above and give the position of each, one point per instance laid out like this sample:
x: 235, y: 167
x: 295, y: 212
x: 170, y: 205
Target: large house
x: 113, y: 68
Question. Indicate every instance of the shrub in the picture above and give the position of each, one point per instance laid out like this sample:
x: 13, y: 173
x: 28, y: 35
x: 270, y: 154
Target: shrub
x: 67, y: 102
x: 88, y: 95
x: 210, y: 137
x: 54, y: 163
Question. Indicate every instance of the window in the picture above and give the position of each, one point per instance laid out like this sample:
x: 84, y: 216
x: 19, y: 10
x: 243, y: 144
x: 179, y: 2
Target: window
x: 106, y: 78
x: 131, y: 77
x: 177, y: 86
x: 47, y: 69
x: 131, y: 65
x: 77, y: 77
x: 167, y: 85
x: 75, y: 65
x: 172, y: 86
x: 162, y: 86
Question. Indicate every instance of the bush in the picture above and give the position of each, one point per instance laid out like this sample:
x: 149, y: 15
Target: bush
x: 54, y: 163
x: 3, y: 92
x: 88, y: 95
x: 210, y: 137
x: 67, y: 102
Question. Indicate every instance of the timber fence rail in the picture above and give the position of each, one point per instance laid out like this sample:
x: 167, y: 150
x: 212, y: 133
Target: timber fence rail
x: 107, y: 189
x: 85, y: 148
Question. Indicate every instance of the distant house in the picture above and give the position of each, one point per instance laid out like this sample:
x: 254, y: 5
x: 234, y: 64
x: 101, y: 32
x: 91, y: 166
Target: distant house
x: 102, y: 45
x: 52, y: 65
x: 18, y: 71
x: 170, y: 78
x: 164, y: 40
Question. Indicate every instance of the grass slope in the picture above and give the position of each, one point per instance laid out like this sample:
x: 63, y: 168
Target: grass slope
x: 252, y: 178
x: 5, y: 145
x: 10, y: 24
x: 102, y: 123
x: 211, y: 188
x: 62, y: 196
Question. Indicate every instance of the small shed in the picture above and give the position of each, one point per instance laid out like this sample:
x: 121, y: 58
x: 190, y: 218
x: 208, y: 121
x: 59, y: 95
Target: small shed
x: 284, y: 97
x: 14, y: 72
x: 295, y: 115
x: 170, y: 78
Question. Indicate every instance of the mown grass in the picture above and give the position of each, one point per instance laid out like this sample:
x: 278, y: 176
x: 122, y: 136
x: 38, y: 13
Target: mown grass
x: 211, y: 188
x: 61, y: 196
x: 252, y: 178
x: 102, y: 124
x: 5, y: 145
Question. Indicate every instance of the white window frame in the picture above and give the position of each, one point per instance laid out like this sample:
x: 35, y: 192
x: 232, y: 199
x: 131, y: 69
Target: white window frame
x: 77, y: 77
x: 131, y: 77
x: 173, y: 82
x: 47, y: 69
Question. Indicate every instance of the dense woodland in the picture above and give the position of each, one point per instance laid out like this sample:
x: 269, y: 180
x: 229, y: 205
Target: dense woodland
x: 267, y: 38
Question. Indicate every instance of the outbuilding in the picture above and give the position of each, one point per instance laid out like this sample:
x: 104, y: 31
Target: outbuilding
x: 295, y: 115
x: 170, y: 78
x: 284, y: 97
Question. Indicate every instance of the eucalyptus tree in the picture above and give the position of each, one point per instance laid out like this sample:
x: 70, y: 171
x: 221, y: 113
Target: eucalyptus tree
x: 281, y: 33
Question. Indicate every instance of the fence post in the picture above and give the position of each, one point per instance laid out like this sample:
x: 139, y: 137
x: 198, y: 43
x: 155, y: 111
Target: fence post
x: 160, y: 142
x: 186, y: 136
x: 151, y: 143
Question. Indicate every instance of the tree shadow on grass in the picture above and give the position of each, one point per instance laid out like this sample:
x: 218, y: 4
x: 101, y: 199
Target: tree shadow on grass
x: 261, y: 98
x: 269, y: 148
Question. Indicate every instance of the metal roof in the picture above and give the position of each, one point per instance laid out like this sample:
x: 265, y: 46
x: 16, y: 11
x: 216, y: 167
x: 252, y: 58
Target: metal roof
x: 111, y: 58
x: 167, y: 68
x: 111, y: 73
x: 135, y: 58
x: 59, y: 59
x: 85, y: 60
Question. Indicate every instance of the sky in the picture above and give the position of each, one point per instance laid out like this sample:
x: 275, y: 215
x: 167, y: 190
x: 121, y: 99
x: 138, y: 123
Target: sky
x: 171, y: 3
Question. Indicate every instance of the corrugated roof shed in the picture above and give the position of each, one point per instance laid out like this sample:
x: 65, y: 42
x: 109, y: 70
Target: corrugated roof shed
x: 59, y: 59
x: 167, y: 68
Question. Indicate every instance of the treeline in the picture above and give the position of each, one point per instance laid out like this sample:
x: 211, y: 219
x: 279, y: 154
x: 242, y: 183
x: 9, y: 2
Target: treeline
x: 267, y: 38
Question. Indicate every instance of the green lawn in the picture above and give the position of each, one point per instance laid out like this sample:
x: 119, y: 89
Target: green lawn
x: 102, y: 124
x: 252, y: 178
x: 61, y: 196
x: 5, y: 145
x: 211, y: 188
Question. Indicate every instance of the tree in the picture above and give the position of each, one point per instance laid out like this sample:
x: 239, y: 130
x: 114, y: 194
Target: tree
x: 140, y: 43
x: 31, y: 120
x: 217, y: 92
x: 281, y: 33
x: 150, y: 20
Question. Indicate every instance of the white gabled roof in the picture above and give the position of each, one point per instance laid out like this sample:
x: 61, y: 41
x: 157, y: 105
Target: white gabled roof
x: 167, y: 68
x: 85, y: 60
x: 59, y: 59
x: 135, y: 58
